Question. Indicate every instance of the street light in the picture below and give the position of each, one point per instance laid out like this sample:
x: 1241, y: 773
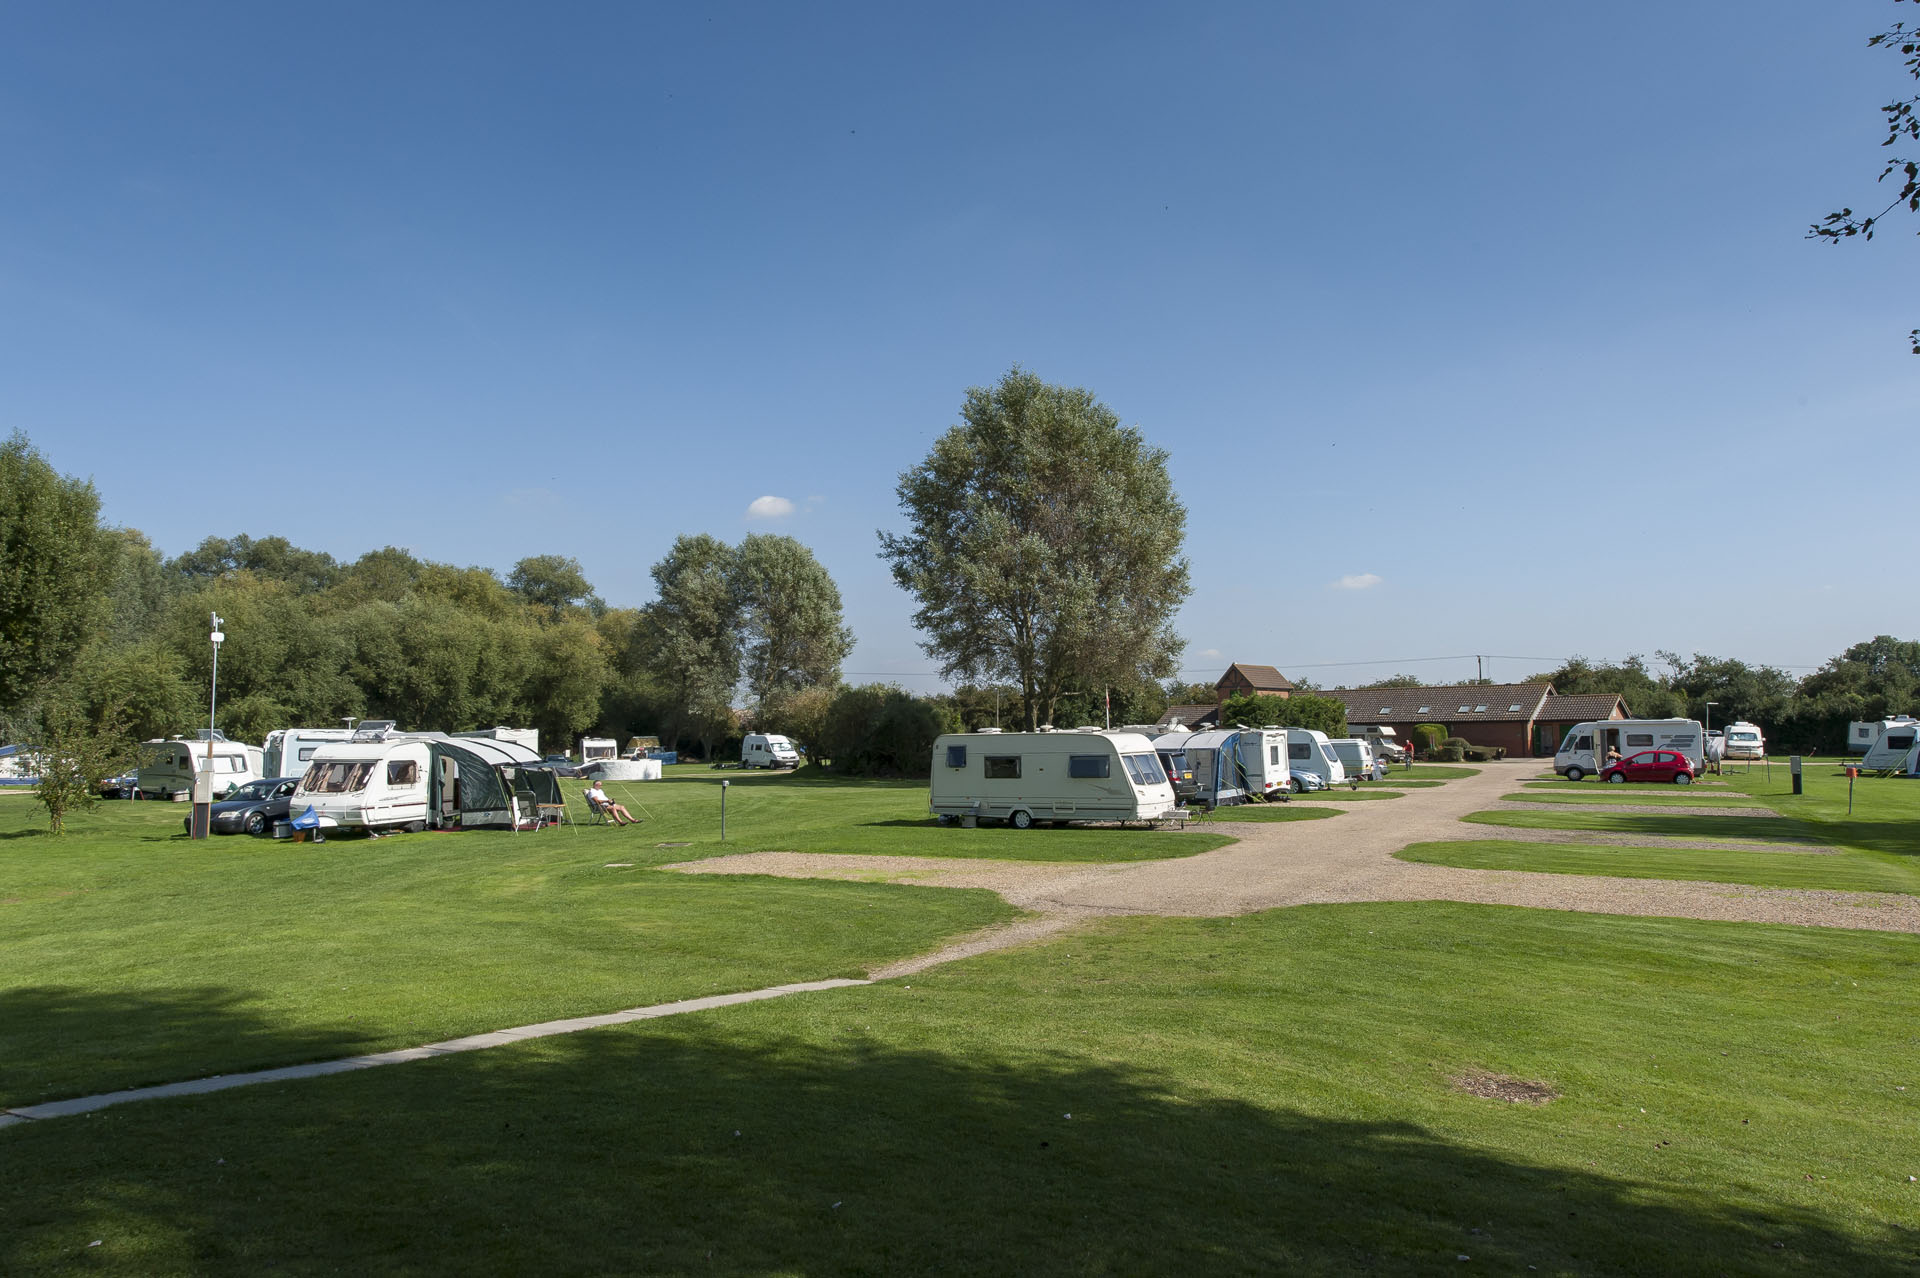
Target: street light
x: 201, y: 824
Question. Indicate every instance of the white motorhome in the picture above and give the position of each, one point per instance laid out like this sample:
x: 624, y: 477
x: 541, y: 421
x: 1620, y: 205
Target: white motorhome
x: 1385, y: 741
x: 1743, y: 741
x: 1308, y: 750
x: 598, y: 750
x: 768, y: 750
x: 385, y: 780
x: 1863, y: 734
x: 1266, y: 769
x: 288, y: 751
x: 1212, y: 772
x: 168, y: 766
x: 1894, y: 748
x: 1355, y: 754
x: 1587, y: 746
x: 1023, y: 777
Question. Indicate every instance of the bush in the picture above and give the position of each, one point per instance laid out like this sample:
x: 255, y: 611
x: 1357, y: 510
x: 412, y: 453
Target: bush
x: 1427, y: 737
x: 1449, y: 754
x: 880, y: 730
x: 1302, y: 710
x: 1484, y: 754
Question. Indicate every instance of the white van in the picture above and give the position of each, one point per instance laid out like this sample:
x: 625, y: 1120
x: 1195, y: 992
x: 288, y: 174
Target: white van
x: 1023, y: 777
x: 168, y: 767
x: 1308, y: 750
x: 1587, y: 746
x: 1356, y: 756
x: 1744, y: 741
x: 768, y: 750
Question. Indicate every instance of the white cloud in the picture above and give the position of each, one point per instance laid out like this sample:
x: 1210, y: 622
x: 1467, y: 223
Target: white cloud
x: 769, y: 508
x: 1357, y: 581
x: 1211, y: 654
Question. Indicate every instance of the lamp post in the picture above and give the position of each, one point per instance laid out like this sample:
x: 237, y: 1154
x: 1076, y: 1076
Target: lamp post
x: 202, y: 822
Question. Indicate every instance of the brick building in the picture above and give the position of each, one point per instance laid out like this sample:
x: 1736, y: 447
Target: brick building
x: 1526, y: 719
x: 1241, y: 677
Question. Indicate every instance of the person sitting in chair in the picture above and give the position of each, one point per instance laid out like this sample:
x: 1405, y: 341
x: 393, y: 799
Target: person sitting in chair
x: 600, y: 801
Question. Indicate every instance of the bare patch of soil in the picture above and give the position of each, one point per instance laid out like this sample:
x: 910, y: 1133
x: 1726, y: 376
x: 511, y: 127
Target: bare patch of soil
x: 1501, y: 1087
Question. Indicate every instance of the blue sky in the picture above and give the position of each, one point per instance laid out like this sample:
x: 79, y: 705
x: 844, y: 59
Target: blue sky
x: 1498, y: 312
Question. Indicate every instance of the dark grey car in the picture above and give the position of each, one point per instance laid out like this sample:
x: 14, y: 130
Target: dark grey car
x: 253, y: 808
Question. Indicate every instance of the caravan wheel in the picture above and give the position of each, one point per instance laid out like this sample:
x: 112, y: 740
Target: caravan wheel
x: 1021, y: 819
x: 1575, y: 774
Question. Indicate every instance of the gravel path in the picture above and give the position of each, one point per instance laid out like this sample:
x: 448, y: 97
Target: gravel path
x: 1348, y: 860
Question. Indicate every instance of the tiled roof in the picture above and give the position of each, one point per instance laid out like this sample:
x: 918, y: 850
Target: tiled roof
x: 1262, y: 678
x: 1579, y: 707
x: 1189, y: 716
x: 1504, y: 702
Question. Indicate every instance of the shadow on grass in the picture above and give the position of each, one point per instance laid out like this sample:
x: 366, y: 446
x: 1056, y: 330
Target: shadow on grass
x: 708, y: 1147
x: 50, y: 1035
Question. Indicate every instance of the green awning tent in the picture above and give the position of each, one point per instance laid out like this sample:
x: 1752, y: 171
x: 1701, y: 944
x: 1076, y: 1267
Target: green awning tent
x: 497, y: 782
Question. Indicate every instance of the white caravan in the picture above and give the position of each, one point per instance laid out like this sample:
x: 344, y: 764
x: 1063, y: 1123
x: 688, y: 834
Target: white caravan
x: 383, y: 780
x: 1893, y: 751
x: 1023, y: 777
x: 288, y: 751
x: 598, y: 750
x: 1864, y: 734
x: 1587, y: 746
x: 768, y: 750
x: 526, y: 737
x: 168, y: 767
x: 1356, y: 756
x: 1265, y: 770
x: 1210, y: 769
x: 1743, y: 741
x: 1309, y: 750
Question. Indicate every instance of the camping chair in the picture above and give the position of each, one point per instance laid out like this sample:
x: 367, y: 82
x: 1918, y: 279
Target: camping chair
x: 596, y: 815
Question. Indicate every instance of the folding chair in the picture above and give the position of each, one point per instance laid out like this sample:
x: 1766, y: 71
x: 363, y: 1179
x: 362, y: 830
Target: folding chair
x: 596, y: 815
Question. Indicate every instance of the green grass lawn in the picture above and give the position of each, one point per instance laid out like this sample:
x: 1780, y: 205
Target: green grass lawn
x: 1269, y: 1094
x: 1430, y: 772
x: 1670, y: 824
x: 129, y: 955
x: 1844, y: 872
x: 1341, y: 794
x: 1264, y: 812
x: 1886, y: 810
x: 1665, y: 796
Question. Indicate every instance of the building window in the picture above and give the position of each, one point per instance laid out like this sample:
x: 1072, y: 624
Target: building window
x: 1481, y: 709
x: 1513, y: 707
x: 1424, y: 710
x: 1089, y: 766
x: 1385, y: 711
x: 956, y: 756
x: 1003, y: 767
x: 1463, y: 710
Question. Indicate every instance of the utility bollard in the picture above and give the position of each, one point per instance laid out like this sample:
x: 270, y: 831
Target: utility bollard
x: 724, y: 787
x: 1852, y: 773
x: 1793, y: 766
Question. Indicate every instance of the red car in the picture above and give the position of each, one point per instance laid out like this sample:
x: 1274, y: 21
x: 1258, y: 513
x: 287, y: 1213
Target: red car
x: 1650, y: 765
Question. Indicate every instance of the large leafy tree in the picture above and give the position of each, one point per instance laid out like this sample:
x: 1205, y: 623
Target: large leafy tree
x: 555, y: 583
x: 1903, y: 125
x: 791, y: 634
x: 1043, y: 545
x: 1322, y: 714
x: 273, y: 558
x: 690, y: 636
x: 56, y: 565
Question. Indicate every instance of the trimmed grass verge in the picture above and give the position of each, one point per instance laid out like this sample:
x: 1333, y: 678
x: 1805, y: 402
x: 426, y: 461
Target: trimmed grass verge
x: 1297, y: 1092
x: 1265, y: 812
x: 1845, y: 872
x: 1757, y: 829
x: 1686, y: 796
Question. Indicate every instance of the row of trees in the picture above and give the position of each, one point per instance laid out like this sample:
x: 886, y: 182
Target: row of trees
x: 1870, y: 680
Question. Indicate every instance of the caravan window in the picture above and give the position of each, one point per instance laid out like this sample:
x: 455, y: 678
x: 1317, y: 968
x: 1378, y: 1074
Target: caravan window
x: 403, y: 772
x: 337, y: 778
x: 1145, y: 768
x: 1903, y: 742
x: 1003, y: 767
x: 956, y: 756
x: 1298, y: 750
x: 306, y: 753
x: 1089, y: 765
x: 1639, y: 739
x: 234, y: 764
x: 1273, y: 754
